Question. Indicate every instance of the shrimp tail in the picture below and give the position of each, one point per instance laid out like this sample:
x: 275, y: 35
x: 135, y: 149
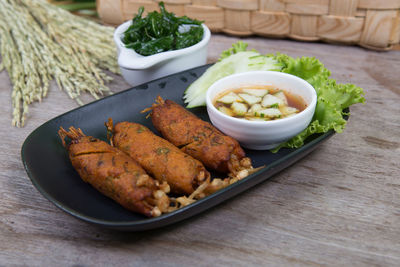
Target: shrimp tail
x: 73, y: 134
x: 159, y: 101
x: 110, y: 130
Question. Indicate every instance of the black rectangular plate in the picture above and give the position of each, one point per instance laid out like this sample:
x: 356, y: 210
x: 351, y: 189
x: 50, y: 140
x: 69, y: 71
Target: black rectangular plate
x: 48, y: 166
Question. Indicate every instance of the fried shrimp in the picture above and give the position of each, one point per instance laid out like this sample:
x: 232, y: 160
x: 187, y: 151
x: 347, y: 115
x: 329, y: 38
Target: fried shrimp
x: 161, y: 159
x: 115, y: 174
x: 198, y: 138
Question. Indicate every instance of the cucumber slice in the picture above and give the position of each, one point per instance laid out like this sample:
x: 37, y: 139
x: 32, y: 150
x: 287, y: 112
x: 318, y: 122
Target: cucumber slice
x: 250, y: 99
x: 254, y: 108
x: 256, y: 92
x: 270, y: 100
x: 269, y: 112
x: 230, y: 98
x: 282, y: 97
x: 226, y: 111
x: 286, y: 110
x: 239, y: 109
x: 257, y: 119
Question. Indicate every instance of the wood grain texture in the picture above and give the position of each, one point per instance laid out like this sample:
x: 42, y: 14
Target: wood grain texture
x: 307, y: 9
x: 212, y: 14
x: 177, y: 9
x: 304, y: 27
x: 343, y: 7
x: 204, y: 2
x: 237, y: 22
x: 376, y: 4
x: 272, y: 5
x: 337, y: 28
x: 239, y: 4
x: 176, y: 1
x: 270, y: 23
x: 111, y: 12
x: 339, y: 206
x: 131, y: 8
x: 380, y: 29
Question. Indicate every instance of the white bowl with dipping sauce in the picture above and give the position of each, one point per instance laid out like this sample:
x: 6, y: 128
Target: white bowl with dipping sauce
x: 262, y: 135
x: 137, y: 69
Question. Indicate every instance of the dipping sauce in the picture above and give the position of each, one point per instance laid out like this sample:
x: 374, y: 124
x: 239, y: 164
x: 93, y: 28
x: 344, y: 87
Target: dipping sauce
x: 259, y: 103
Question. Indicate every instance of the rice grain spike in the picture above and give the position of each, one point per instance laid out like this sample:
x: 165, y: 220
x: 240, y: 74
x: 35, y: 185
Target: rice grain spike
x: 47, y: 42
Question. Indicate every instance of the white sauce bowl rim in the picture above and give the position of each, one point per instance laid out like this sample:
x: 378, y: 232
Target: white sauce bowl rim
x: 309, y: 108
x: 129, y: 59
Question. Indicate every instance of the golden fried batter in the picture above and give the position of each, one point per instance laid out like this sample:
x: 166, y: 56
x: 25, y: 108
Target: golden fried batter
x: 196, y: 137
x: 115, y: 174
x: 159, y: 158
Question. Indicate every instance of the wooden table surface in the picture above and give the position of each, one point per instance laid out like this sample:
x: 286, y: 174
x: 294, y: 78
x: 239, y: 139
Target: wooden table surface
x: 338, y: 206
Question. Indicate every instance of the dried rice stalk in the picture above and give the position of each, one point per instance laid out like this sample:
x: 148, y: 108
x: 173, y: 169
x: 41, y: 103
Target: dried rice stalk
x: 40, y: 42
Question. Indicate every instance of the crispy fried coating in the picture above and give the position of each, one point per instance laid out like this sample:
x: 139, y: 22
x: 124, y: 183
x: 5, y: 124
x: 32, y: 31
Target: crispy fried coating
x: 196, y: 137
x: 114, y: 174
x: 159, y: 158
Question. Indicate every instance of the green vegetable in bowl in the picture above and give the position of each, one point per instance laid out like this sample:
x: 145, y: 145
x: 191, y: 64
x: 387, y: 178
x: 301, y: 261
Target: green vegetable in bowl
x: 161, y: 31
x: 333, y: 98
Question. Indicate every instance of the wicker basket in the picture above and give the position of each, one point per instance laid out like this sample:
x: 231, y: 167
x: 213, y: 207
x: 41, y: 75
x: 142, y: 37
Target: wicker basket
x: 374, y: 24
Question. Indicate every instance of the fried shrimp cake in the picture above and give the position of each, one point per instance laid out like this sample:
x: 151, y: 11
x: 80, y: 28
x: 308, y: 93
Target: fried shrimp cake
x: 115, y: 174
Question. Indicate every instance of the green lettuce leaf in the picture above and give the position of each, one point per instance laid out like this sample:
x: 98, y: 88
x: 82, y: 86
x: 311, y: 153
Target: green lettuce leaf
x: 332, y: 97
x: 236, y: 48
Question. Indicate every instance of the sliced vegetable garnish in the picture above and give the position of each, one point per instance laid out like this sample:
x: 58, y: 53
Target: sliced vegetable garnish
x: 256, y: 92
x: 269, y: 112
x: 226, y: 111
x: 286, y: 110
x: 250, y: 99
x: 230, y: 98
x: 270, y: 100
x: 239, y: 108
x: 282, y: 97
x: 254, y: 108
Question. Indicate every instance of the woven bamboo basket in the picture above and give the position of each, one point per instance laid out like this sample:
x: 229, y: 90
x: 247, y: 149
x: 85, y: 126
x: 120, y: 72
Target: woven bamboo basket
x: 374, y: 24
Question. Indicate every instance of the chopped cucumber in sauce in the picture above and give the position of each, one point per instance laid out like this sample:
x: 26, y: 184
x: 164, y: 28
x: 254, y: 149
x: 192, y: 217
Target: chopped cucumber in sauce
x: 282, y: 97
x: 270, y: 100
x: 257, y: 119
x: 250, y: 99
x: 226, y: 111
x: 239, y: 108
x: 269, y: 112
x: 286, y: 110
x: 258, y: 104
x: 256, y: 92
x: 230, y: 98
x: 254, y: 108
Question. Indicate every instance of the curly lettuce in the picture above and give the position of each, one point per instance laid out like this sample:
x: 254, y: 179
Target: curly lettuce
x: 333, y: 98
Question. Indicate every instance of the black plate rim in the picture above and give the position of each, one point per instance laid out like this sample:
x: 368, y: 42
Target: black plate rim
x: 184, y: 211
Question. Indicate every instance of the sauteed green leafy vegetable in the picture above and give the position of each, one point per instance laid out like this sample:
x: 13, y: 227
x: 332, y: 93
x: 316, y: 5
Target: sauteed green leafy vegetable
x: 333, y: 97
x: 161, y: 31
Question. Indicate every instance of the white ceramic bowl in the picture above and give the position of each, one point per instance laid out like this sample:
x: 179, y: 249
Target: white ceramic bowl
x: 260, y: 135
x: 137, y: 69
